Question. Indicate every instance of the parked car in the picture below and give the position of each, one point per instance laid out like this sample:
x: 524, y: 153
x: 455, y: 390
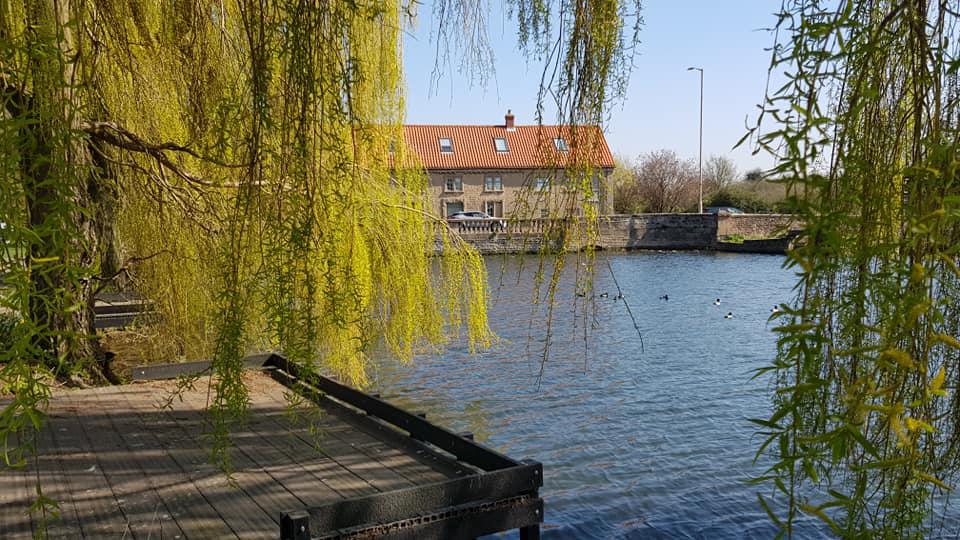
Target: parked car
x: 481, y: 219
x: 723, y: 210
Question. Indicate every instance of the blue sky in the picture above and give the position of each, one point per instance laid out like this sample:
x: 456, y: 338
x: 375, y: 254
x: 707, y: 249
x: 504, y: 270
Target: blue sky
x: 661, y: 108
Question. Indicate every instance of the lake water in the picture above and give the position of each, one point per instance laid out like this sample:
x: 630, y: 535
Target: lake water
x: 636, y: 441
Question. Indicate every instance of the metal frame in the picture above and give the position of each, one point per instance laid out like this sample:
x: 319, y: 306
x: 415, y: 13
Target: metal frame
x: 418, y: 427
x: 121, y: 314
x: 502, y: 495
x: 172, y: 371
x: 495, y: 493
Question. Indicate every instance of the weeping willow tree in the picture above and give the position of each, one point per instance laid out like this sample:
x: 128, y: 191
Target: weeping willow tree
x: 241, y: 164
x: 865, y: 433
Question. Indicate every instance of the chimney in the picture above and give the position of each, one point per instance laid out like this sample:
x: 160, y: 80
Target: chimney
x: 508, y: 121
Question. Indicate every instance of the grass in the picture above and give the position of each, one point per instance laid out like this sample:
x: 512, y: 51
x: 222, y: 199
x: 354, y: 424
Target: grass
x: 734, y: 239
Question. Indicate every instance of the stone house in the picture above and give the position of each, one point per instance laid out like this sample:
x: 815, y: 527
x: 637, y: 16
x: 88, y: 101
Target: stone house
x: 510, y: 170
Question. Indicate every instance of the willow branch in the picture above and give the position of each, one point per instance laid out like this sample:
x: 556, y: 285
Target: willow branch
x: 125, y: 269
x: 114, y: 135
x: 15, y: 100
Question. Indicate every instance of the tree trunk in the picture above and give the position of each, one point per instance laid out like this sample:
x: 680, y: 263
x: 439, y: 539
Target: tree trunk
x: 62, y: 186
x: 64, y: 253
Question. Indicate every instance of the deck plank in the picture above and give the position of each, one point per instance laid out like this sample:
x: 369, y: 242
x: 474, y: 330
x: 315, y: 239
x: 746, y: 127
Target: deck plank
x: 284, y: 465
x: 294, y: 438
x: 344, y: 453
x: 56, y: 484
x: 364, y: 440
x: 129, y: 472
x: 83, y: 467
x: 403, y: 463
x: 241, y: 515
x: 189, y: 508
x: 15, y: 499
x: 263, y: 489
x: 121, y: 467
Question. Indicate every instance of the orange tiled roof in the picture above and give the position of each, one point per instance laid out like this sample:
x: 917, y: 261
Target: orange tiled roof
x: 530, y: 147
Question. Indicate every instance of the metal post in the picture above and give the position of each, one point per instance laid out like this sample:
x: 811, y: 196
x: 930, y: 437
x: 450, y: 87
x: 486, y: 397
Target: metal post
x: 701, y: 133
x: 530, y: 533
x: 295, y: 526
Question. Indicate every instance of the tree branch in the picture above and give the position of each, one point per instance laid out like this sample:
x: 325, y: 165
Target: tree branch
x: 114, y: 135
x: 125, y: 269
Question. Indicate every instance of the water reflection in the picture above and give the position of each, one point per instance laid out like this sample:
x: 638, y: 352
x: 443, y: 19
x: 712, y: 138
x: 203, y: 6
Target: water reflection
x: 650, y: 444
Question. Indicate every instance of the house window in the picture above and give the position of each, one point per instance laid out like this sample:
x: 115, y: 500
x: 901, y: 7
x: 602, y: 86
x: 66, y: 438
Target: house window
x: 493, y: 183
x: 446, y: 145
x: 500, y: 144
x: 544, y: 213
x: 541, y: 184
x: 493, y: 208
x: 454, y: 183
x: 595, y: 196
x: 559, y: 143
x: 452, y: 207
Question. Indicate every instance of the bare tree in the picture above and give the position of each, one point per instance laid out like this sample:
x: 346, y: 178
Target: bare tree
x: 665, y: 182
x: 719, y: 172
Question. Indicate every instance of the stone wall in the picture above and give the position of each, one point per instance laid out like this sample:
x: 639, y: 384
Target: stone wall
x: 756, y: 226
x: 658, y: 231
x: 769, y: 246
x: 643, y: 231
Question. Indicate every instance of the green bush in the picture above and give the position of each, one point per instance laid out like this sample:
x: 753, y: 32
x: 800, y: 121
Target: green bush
x: 753, y: 197
x: 734, y: 239
x: 744, y: 200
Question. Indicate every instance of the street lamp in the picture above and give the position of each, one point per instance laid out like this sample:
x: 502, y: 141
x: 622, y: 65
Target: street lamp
x: 701, y: 133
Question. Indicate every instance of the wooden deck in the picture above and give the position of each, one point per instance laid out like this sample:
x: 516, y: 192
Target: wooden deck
x: 121, y: 467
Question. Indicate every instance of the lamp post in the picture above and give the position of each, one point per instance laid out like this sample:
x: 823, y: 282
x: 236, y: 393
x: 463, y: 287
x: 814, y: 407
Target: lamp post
x: 701, y: 133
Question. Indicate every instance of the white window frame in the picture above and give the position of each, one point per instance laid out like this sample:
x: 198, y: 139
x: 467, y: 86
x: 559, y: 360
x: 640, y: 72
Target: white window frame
x: 506, y: 147
x: 445, y: 148
x: 457, y: 184
x: 495, y: 189
x: 486, y: 208
x: 541, y: 184
x: 560, y: 144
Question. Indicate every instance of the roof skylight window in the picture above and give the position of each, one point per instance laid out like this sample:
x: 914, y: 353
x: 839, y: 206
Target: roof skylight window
x: 560, y: 144
x: 446, y: 145
x: 500, y: 144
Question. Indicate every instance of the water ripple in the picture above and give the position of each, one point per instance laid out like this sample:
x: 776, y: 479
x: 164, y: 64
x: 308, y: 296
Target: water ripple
x: 650, y: 444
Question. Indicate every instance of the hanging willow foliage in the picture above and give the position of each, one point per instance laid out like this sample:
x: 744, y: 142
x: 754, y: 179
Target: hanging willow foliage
x: 586, y: 49
x: 865, y: 433
x: 241, y: 164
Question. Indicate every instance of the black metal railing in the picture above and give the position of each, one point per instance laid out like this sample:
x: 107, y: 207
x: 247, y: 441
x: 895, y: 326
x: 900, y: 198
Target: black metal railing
x: 502, y: 495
